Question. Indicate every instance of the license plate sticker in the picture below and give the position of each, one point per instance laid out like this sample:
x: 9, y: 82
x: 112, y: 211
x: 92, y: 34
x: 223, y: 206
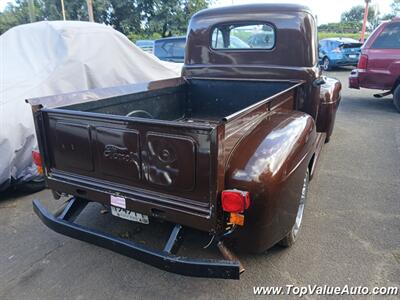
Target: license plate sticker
x: 129, y: 215
x: 118, y: 201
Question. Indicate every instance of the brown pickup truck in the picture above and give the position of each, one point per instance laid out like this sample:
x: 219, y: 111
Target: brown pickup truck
x: 228, y: 148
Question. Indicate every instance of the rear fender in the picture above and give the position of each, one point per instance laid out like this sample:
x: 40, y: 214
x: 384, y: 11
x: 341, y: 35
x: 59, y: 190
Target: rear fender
x: 270, y: 163
x: 329, y: 102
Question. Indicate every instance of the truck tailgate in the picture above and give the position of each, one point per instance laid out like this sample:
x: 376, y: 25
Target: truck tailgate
x: 166, y: 165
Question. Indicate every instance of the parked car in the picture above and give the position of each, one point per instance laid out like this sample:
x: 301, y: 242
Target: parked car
x: 170, y: 49
x: 335, y: 52
x: 379, y: 63
x: 228, y: 148
x: 233, y: 42
x: 145, y: 45
x: 262, y: 40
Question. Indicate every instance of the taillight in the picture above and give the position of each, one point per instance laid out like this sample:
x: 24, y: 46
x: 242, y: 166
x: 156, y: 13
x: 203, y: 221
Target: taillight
x: 363, y: 62
x: 37, y: 159
x: 235, y: 201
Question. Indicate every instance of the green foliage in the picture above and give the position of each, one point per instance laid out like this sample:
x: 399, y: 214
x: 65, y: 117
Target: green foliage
x: 143, y: 36
x: 17, y: 14
x: 356, y: 14
x: 137, y: 18
x: 171, y: 17
x: 342, y: 27
x: 395, y: 6
x: 324, y: 35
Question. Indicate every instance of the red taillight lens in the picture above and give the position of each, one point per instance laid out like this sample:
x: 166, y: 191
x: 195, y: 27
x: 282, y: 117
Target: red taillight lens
x: 235, y: 201
x: 363, y: 62
x: 38, y: 161
x: 36, y: 158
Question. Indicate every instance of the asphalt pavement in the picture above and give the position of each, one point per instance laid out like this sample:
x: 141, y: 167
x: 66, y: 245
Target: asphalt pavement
x: 350, y: 234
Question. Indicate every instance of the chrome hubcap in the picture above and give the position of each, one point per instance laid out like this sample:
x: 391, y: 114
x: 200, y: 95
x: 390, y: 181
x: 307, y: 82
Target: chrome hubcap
x: 300, y: 211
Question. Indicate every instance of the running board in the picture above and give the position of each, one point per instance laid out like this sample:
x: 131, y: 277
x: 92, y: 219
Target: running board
x: 321, y: 137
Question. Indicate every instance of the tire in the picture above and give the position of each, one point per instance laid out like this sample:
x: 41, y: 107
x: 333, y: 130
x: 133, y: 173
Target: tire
x: 396, y: 98
x: 32, y: 186
x: 291, y: 237
x: 327, y: 139
x: 326, y: 64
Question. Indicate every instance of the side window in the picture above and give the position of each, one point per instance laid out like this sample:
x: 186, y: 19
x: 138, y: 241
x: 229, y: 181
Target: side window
x: 161, y: 49
x: 243, y: 36
x: 170, y: 49
x: 179, y: 48
x: 389, y: 38
x: 331, y: 45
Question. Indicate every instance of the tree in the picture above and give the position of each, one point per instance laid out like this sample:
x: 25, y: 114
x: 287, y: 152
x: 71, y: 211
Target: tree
x: 136, y: 18
x: 395, y: 6
x: 17, y: 14
x: 124, y: 16
x: 342, y: 27
x: 170, y: 17
x: 356, y: 13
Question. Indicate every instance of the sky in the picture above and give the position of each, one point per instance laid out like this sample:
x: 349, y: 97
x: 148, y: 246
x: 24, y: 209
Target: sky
x: 327, y: 11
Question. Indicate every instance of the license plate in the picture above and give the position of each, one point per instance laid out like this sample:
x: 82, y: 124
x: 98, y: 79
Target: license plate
x: 129, y: 215
x: 353, y: 56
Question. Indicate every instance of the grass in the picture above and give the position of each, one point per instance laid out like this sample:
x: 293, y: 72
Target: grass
x: 324, y: 35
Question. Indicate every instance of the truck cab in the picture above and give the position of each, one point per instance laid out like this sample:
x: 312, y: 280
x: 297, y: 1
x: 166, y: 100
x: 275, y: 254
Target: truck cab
x: 228, y: 148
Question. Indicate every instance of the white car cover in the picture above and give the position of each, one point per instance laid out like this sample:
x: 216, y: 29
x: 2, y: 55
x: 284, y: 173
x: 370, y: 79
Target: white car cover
x: 48, y: 58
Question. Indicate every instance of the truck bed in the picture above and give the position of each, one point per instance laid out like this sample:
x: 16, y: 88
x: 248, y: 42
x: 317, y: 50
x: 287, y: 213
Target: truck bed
x: 195, y: 99
x: 165, y: 158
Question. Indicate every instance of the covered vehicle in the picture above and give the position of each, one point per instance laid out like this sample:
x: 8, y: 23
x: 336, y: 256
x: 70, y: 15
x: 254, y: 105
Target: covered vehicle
x: 48, y: 58
x: 336, y: 52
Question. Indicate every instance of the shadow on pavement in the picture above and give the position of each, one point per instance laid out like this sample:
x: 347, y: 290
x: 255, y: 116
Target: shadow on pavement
x: 369, y: 105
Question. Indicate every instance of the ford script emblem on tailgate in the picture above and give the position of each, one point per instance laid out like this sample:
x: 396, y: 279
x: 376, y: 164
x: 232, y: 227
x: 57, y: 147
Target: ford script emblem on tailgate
x: 119, y: 153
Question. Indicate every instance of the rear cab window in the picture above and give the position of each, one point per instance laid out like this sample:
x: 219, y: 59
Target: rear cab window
x: 245, y: 36
x: 389, y: 38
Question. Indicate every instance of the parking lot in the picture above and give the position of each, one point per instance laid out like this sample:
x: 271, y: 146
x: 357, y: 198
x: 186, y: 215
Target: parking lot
x: 350, y: 234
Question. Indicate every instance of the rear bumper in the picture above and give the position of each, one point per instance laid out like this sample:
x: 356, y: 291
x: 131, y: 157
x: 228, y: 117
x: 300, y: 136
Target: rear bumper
x: 336, y: 62
x: 163, y: 259
x: 354, y: 82
x: 372, y: 79
x: 343, y: 62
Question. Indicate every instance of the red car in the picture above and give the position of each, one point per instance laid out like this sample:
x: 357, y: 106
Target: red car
x: 379, y: 62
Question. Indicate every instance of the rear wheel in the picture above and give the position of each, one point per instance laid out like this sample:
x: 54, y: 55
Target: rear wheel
x: 33, y: 186
x: 326, y: 64
x: 396, y: 98
x: 291, y: 237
